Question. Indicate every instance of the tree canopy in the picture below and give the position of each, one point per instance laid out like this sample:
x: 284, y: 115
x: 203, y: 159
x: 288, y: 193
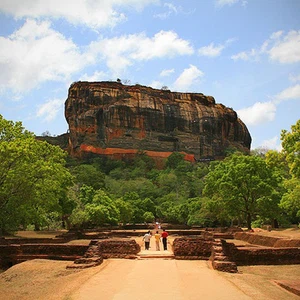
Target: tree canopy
x: 244, y: 184
x: 33, y: 177
x: 291, y: 151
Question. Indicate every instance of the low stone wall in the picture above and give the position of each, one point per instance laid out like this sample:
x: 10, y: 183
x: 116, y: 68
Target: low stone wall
x: 224, y: 229
x: 245, y: 256
x: 192, y: 248
x: 91, y: 254
x: 268, y: 241
x: 125, y: 248
x: 13, y: 254
x: 10, y: 241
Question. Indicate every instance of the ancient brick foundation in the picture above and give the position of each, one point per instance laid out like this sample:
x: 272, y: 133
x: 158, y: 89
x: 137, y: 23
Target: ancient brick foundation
x: 126, y: 248
x: 192, y: 248
x: 13, y: 254
x: 268, y: 241
x: 98, y: 250
x: 244, y: 256
x: 13, y: 241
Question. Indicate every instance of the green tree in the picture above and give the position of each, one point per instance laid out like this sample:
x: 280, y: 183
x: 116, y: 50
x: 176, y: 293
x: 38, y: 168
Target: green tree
x: 174, y: 160
x: 142, y: 187
x: 86, y: 194
x: 10, y: 131
x: 148, y: 217
x: 205, y: 212
x: 290, y: 201
x: 291, y: 148
x: 168, y: 182
x: 102, y: 210
x: 245, y: 184
x: 126, y: 210
x: 79, y: 217
x: 89, y: 175
x: 33, y: 177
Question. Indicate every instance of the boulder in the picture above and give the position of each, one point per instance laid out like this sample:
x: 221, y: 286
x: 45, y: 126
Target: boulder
x: 116, y: 120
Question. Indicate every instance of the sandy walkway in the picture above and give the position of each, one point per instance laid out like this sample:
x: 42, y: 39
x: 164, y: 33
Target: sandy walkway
x: 121, y: 279
x: 157, y: 279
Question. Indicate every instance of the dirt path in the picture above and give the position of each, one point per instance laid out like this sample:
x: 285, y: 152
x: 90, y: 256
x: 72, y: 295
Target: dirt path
x: 167, y: 279
x: 147, y: 279
x: 157, y: 278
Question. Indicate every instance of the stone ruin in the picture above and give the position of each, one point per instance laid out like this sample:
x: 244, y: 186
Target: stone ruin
x: 216, y: 246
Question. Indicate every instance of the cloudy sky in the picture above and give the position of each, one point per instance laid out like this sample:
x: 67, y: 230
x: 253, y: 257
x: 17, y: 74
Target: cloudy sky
x: 244, y: 53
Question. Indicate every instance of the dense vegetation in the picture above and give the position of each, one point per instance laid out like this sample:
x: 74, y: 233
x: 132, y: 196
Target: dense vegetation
x: 40, y: 187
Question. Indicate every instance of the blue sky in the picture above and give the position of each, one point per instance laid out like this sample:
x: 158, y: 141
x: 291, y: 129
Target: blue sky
x: 246, y: 54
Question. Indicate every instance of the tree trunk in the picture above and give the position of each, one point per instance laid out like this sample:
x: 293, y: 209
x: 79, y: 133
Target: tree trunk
x: 37, y: 227
x: 249, y: 221
x: 239, y: 222
x: 275, y: 223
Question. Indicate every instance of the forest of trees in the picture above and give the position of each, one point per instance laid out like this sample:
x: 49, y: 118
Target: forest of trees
x: 42, y: 187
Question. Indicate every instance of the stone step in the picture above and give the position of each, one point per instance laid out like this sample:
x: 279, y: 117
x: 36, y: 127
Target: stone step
x: 225, y: 266
x: 160, y: 256
x: 83, y: 266
x: 155, y: 256
x: 88, y: 260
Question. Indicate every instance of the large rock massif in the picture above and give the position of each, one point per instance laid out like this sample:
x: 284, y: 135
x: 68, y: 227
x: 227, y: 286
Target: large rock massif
x: 109, y: 118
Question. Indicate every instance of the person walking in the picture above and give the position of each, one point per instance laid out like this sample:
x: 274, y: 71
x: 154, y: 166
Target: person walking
x: 147, y: 238
x: 164, y: 236
x: 157, y: 240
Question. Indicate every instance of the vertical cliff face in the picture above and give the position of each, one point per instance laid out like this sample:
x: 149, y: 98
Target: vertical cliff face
x: 113, y: 119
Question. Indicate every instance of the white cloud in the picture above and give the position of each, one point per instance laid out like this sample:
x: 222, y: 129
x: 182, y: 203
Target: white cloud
x: 253, y: 54
x: 156, y: 84
x: 286, y: 48
x: 36, y: 53
x: 273, y: 143
x: 212, y: 51
x: 165, y: 72
x: 221, y: 3
x: 94, y: 14
x: 187, y: 78
x: 226, y: 2
x: 290, y: 93
x: 121, y: 52
x: 49, y: 110
x: 242, y: 56
x: 279, y: 47
x: 163, y: 44
x: 263, y: 112
x: 276, y: 35
x: 259, y: 113
x: 171, y: 9
x: 97, y: 76
x: 294, y: 78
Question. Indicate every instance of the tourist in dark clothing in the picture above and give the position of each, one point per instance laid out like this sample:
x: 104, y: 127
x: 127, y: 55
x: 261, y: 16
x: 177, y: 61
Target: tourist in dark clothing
x: 164, y: 236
